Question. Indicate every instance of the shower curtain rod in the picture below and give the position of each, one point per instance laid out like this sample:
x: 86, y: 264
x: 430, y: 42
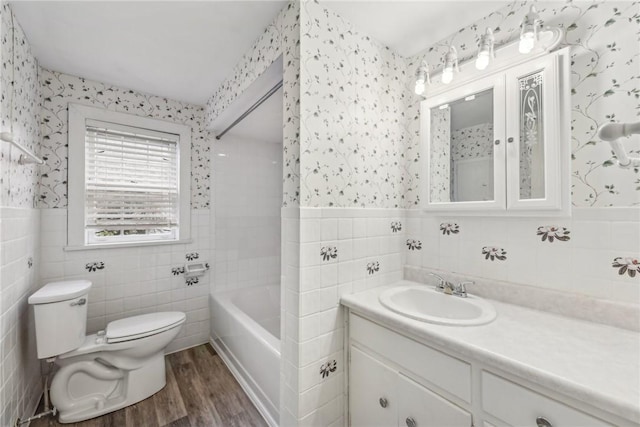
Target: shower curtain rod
x: 250, y: 110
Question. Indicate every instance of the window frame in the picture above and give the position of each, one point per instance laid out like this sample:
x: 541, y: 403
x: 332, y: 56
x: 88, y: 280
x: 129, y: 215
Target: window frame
x: 78, y: 116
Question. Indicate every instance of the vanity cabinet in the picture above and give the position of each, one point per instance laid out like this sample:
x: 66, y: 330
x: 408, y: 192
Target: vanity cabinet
x: 520, y: 406
x: 395, y: 380
x: 382, y: 396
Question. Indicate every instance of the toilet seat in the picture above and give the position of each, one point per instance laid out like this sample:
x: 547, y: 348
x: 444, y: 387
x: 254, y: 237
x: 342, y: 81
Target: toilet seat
x: 136, y: 327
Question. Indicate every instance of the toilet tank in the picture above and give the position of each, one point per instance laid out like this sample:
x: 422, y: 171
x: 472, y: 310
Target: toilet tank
x: 60, y: 310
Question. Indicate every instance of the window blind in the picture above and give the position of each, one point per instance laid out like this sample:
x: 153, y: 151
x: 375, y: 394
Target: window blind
x: 131, y: 180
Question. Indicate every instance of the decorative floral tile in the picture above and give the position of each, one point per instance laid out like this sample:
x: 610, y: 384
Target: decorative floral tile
x: 414, y: 245
x: 191, y: 281
x: 94, y: 266
x: 328, y: 253
x: 449, y: 228
x: 373, y: 267
x: 396, y: 226
x: 177, y: 271
x: 328, y: 368
x: 30, y: 262
x: 628, y: 265
x: 492, y: 253
x: 192, y: 255
x: 552, y: 232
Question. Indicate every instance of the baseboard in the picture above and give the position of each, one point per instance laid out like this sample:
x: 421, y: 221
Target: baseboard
x: 243, y: 383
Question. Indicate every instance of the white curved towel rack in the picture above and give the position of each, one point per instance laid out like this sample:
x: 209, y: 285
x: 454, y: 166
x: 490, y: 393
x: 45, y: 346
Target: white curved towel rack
x: 611, y: 132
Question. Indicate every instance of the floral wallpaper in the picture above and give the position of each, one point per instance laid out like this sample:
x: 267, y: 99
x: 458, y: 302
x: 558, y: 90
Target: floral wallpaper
x: 604, y: 79
x: 59, y: 89
x: 19, y: 110
x: 281, y: 37
x: 441, y: 152
x: 352, y: 115
x: 471, y: 142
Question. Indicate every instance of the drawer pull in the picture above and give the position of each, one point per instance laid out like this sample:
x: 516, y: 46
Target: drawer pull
x: 543, y: 422
x: 497, y: 142
x: 383, y: 402
x: 411, y: 422
x: 510, y: 140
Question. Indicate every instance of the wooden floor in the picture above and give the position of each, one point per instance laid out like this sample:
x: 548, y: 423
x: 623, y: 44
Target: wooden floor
x: 200, y: 392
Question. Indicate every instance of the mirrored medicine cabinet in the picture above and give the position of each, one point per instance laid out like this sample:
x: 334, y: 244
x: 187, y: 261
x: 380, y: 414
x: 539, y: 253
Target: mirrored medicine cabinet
x: 499, y: 143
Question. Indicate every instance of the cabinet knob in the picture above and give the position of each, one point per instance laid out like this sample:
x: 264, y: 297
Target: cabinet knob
x: 383, y: 402
x: 543, y: 422
x: 496, y: 142
x: 411, y: 422
x: 510, y: 139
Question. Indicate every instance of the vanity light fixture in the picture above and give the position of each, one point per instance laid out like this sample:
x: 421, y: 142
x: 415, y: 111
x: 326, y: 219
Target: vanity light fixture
x: 443, y: 106
x: 485, y: 50
x: 422, y: 78
x: 529, y: 32
x: 450, y: 64
x: 470, y: 98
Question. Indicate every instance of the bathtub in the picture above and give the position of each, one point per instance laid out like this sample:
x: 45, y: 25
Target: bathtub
x: 245, y: 329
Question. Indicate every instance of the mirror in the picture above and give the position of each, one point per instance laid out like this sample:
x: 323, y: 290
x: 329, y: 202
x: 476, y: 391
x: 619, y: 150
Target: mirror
x: 461, y: 144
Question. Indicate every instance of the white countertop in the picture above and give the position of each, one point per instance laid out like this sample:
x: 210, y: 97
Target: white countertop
x: 590, y: 362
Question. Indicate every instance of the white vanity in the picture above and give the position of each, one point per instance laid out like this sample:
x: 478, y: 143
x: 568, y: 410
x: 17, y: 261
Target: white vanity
x: 525, y: 368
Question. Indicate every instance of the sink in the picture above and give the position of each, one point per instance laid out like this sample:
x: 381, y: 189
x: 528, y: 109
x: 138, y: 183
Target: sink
x: 424, y: 303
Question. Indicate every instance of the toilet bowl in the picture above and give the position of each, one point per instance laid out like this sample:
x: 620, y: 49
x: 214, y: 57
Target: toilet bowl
x: 102, y: 372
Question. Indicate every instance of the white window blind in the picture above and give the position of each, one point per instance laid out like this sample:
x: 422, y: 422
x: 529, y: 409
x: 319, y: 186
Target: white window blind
x: 131, y: 183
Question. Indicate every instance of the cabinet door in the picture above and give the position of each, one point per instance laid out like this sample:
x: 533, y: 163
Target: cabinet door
x: 420, y: 407
x: 372, y: 391
x: 535, y: 135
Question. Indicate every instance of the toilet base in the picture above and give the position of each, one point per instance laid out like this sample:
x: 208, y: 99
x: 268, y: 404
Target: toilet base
x: 90, y: 388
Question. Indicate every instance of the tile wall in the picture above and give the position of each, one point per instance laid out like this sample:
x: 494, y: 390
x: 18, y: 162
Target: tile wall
x: 593, y: 253
x: 341, y: 251
x: 136, y: 280
x: 20, y: 386
x: 248, y: 196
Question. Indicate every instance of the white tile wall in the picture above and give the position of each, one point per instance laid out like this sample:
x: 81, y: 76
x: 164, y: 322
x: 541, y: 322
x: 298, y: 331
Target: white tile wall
x: 135, y: 280
x: 582, y: 264
x: 247, y: 199
x: 314, y: 321
x: 20, y: 387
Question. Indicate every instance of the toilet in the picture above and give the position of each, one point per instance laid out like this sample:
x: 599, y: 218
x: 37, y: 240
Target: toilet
x: 103, y: 372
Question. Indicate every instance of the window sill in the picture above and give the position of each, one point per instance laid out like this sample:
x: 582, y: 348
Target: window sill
x: 127, y: 245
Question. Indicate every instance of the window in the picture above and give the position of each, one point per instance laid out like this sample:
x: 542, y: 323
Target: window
x: 128, y: 179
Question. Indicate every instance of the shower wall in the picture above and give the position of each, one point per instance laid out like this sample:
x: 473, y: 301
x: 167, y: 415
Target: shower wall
x: 247, y: 198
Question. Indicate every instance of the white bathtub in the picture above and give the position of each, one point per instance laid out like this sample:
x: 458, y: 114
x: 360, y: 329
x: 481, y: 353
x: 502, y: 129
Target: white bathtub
x: 245, y: 329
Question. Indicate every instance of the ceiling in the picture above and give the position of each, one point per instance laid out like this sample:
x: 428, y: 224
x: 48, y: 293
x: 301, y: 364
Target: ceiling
x: 177, y: 49
x: 185, y: 49
x: 409, y: 27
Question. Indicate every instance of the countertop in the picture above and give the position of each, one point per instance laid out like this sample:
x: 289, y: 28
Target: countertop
x: 594, y: 363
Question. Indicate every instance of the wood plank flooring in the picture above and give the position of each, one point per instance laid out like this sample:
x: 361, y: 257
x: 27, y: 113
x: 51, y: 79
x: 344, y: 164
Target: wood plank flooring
x: 200, y: 392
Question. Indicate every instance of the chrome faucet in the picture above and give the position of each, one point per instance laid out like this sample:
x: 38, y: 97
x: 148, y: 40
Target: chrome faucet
x: 443, y: 285
x: 459, y: 290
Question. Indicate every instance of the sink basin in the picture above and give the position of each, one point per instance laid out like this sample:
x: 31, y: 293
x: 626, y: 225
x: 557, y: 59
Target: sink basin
x: 424, y: 303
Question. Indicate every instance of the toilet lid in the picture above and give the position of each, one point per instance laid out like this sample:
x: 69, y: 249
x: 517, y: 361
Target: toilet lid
x: 136, y: 327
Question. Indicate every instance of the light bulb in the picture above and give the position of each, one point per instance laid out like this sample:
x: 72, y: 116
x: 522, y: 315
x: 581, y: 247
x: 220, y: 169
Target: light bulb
x: 422, y: 78
x: 482, y: 62
x: 528, y: 35
x: 447, y: 75
x: 527, y: 42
